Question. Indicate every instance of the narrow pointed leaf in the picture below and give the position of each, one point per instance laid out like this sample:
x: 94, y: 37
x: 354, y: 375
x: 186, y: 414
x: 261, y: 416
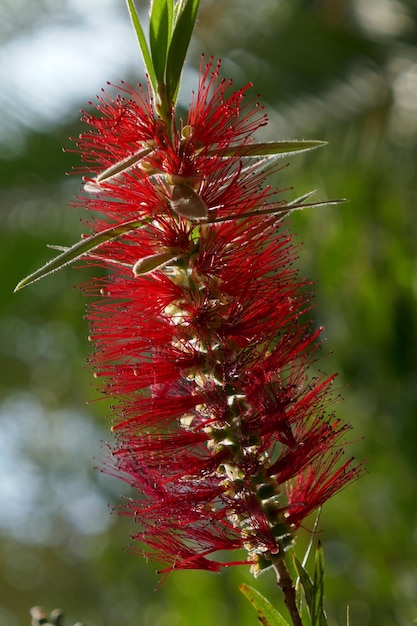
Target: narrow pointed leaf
x: 183, y: 28
x: 160, y: 30
x: 119, y: 167
x: 314, y: 589
x: 306, y: 583
x: 280, y: 209
x: 269, y: 148
x: 293, y: 206
x: 267, y: 614
x: 79, y: 249
x: 316, y: 521
x: 302, y: 198
x: 319, y: 618
x: 142, y: 43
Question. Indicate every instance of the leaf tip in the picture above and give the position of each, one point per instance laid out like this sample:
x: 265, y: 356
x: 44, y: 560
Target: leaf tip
x: 19, y: 286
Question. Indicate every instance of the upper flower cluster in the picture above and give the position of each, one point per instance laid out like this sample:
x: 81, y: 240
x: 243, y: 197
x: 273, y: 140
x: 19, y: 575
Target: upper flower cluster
x: 201, y: 334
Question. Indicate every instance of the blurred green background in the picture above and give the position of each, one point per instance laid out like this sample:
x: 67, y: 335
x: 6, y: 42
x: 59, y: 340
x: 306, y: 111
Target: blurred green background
x: 340, y: 70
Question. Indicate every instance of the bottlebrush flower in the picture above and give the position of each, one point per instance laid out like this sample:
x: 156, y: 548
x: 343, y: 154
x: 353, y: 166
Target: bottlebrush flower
x: 201, y: 334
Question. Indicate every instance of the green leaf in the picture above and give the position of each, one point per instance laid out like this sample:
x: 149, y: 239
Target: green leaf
x: 269, y: 148
x: 306, y: 582
x: 279, y: 209
x: 319, y: 618
x: 297, y: 202
x: 160, y: 30
x: 142, y: 43
x: 314, y: 589
x: 267, y: 614
x: 79, y: 249
x: 183, y: 28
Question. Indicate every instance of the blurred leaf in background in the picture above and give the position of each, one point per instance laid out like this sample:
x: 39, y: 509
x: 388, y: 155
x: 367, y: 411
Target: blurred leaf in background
x: 340, y: 70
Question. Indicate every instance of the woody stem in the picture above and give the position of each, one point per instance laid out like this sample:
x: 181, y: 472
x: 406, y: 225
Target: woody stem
x: 284, y: 581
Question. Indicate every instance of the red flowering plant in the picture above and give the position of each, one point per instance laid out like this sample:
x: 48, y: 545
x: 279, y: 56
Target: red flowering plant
x: 200, y: 324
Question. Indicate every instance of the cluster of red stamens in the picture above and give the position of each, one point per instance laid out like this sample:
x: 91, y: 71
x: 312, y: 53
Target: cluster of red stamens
x: 201, y: 334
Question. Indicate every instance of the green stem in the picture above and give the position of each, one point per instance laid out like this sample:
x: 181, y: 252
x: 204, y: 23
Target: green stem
x: 165, y: 110
x: 284, y: 581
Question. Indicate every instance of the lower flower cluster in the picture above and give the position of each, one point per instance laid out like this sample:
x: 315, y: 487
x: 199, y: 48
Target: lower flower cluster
x: 202, y: 337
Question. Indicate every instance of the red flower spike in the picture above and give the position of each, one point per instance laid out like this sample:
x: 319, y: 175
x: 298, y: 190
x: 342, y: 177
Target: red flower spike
x: 201, y: 336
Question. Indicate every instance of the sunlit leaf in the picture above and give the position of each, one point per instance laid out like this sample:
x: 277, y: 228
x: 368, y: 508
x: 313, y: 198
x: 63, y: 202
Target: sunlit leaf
x: 142, y: 43
x: 280, y: 209
x: 118, y: 168
x: 183, y: 28
x: 267, y: 614
x: 160, y: 30
x: 269, y: 148
x: 80, y: 249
